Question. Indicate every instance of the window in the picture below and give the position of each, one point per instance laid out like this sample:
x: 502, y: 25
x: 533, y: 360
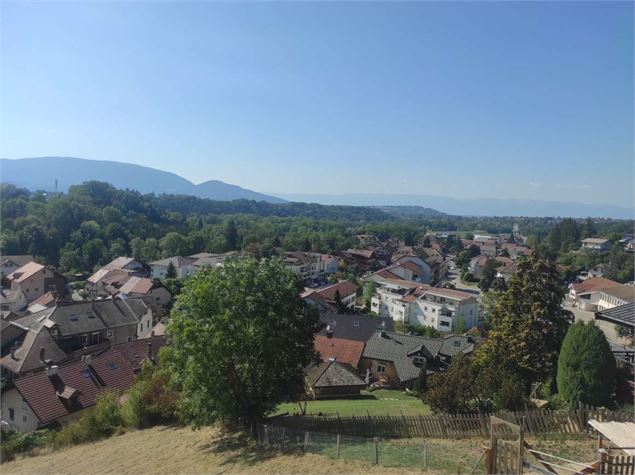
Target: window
x: 444, y: 324
x: 23, y: 418
x: 109, y: 332
x: 11, y: 414
x: 418, y: 359
x: 355, y: 323
x: 457, y: 343
x: 54, y: 332
x: 85, y: 339
x: 112, y: 365
x: 381, y: 368
x: 94, y: 340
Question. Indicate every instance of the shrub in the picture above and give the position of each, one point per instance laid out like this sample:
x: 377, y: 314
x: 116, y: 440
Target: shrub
x: 103, y: 421
x: 14, y: 443
x: 586, y: 367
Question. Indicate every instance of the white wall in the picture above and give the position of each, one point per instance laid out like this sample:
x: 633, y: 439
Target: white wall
x: 24, y: 419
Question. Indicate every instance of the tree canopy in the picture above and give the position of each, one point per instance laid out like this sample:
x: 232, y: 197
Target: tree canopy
x: 241, y: 337
x: 586, y: 367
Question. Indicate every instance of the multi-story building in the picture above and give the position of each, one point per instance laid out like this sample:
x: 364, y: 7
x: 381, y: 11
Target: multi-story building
x: 423, y: 305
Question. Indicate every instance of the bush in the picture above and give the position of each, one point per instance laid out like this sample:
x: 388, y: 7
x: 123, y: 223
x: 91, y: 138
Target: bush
x: 152, y: 400
x: 103, y: 421
x: 14, y: 443
x: 586, y: 367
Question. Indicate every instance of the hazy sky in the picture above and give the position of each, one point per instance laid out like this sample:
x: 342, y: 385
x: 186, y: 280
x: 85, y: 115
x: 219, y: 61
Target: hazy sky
x: 498, y: 99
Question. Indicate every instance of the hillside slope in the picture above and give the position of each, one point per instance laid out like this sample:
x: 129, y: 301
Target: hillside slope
x: 40, y: 174
x: 181, y: 450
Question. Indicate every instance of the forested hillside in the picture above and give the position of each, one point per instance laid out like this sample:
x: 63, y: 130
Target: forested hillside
x: 95, y: 222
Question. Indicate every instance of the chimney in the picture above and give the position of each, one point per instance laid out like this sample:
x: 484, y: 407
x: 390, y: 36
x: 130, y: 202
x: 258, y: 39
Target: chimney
x: 51, y: 370
x: 150, y: 355
x: 14, y: 347
x: 42, y: 355
x: 329, y: 331
x: 87, y: 359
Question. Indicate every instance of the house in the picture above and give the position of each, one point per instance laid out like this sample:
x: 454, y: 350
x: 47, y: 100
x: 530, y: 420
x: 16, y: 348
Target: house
x: 70, y: 326
x: 357, y: 261
x: 408, y: 267
x: 34, y: 280
x: 106, y: 282
x: 515, y: 251
x: 183, y: 266
x: 423, y: 305
x: 12, y: 300
x: 353, y: 327
x: 125, y: 263
x: 207, y: 259
x: 397, y: 359
x: 616, y: 296
x: 9, y: 264
x: 153, y: 293
x: 60, y: 394
x: 339, y: 349
x: 333, y: 379
x: 436, y: 261
x: 477, y: 264
x: 586, y: 295
x: 596, y: 244
x: 10, y: 333
x: 346, y: 289
x: 45, y: 301
x: 506, y: 271
x: 622, y: 316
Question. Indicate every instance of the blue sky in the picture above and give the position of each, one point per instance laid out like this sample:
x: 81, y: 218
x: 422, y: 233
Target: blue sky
x: 497, y: 99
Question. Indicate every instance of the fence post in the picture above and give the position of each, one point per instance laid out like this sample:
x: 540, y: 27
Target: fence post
x: 266, y: 435
x: 425, y: 455
x: 306, y: 440
x: 600, y: 461
x: 376, y: 450
x: 337, y: 447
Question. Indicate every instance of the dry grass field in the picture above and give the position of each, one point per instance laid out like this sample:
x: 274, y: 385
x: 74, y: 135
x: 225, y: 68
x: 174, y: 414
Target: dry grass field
x: 180, y: 450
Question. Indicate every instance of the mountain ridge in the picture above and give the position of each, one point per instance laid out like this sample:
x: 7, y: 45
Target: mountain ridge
x: 41, y: 173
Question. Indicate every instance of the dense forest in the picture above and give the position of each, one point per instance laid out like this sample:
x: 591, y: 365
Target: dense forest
x: 95, y: 222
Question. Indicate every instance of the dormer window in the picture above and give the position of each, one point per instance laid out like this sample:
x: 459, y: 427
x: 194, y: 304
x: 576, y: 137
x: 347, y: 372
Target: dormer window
x: 418, y: 360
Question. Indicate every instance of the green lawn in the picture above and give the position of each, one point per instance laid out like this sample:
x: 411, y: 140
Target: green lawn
x: 381, y: 402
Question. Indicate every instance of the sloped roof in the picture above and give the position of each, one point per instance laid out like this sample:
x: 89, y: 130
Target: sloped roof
x: 17, y: 260
x: 623, y: 315
x: 119, y: 263
x: 137, y: 285
x: 355, y: 327
x: 595, y: 284
x: 455, y: 344
x: 450, y: 293
x: 26, y: 271
x: 41, y: 392
x: 27, y: 356
x: 342, y: 350
x: 345, y: 288
x: 136, y: 351
x: 177, y: 261
x: 43, y: 300
x: 595, y: 240
x: 397, y: 348
x: 333, y: 374
x: 622, y: 292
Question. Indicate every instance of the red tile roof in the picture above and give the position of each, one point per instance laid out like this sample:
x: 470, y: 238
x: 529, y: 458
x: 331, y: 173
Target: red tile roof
x: 593, y: 285
x: 345, y: 287
x: 344, y: 351
x: 109, y: 372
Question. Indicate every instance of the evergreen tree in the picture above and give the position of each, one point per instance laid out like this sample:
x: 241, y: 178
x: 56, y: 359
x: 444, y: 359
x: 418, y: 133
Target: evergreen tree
x: 527, y: 325
x: 586, y: 367
x: 171, y: 271
x: 231, y: 235
x: 421, y: 383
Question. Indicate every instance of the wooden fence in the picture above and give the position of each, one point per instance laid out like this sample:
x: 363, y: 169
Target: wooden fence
x: 446, y: 426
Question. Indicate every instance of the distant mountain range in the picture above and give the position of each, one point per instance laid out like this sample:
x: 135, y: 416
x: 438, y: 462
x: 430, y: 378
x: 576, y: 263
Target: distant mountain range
x: 41, y: 173
x: 471, y: 207
x: 410, y: 211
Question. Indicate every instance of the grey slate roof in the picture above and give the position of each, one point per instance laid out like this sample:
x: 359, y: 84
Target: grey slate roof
x: 622, y: 315
x: 399, y: 348
x: 454, y: 344
x: 333, y: 374
x: 27, y: 357
x: 355, y: 327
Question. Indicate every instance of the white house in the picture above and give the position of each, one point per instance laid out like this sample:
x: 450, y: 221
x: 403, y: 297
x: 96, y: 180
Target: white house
x: 615, y: 296
x: 12, y: 300
x: 184, y: 267
x: 586, y: 295
x: 596, y: 244
x: 423, y: 305
x: 9, y: 264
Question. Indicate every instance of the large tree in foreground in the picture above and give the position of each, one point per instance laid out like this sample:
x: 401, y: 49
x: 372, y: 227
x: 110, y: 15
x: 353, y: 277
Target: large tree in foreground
x: 527, y: 326
x: 241, y: 337
x: 586, y: 367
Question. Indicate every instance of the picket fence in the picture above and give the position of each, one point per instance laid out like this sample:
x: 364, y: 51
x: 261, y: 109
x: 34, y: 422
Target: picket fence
x: 446, y: 426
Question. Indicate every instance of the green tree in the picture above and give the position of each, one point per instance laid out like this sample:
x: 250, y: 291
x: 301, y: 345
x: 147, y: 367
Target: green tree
x: 173, y: 244
x: 460, y: 327
x: 369, y: 291
x: 171, y: 271
x: 586, y: 367
x: 488, y: 274
x: 421, y: 383
x: 527, y: 325
x: 241, y: 337
x: 231, y: 235
x: 452, y: 391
